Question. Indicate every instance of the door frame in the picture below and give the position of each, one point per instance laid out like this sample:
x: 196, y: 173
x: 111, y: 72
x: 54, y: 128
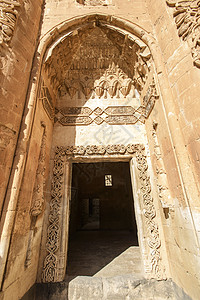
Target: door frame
x: 55, y: 262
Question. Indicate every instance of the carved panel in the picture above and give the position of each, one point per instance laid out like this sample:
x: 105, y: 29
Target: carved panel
x: 47, y: 102
x: 71, y: 116
x: 186, y: 15
x: 38, y: 192
x: 150, y: 98
x: 100, y: 62
x: 161, y: 178
x: 95, y: 2
x: 51, y: 267
x: 117, y: 120
x: 8, y: 19
x: 154, y: 242
x: 81, y: 111
x: 75, y: 120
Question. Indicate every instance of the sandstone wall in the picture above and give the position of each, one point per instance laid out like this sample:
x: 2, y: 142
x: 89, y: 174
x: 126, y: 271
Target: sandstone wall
x: 179, y: 147
x: 59, y: 11
x: 16, y: 55
x: 172, y: 131
x: 16, y: 63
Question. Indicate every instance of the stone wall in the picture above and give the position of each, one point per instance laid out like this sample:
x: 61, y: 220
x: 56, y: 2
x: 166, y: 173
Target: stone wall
x: 17, y: 50
x: 172, y: 132
x: 177, y: 144
x: 19, y: 29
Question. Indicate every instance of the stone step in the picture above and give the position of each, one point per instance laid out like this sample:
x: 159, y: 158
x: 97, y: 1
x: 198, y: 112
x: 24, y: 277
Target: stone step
x: 126, y: 287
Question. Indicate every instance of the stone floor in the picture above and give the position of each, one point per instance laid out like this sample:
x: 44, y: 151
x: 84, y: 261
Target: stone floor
x: 103, y: 254
x: 105, y: 265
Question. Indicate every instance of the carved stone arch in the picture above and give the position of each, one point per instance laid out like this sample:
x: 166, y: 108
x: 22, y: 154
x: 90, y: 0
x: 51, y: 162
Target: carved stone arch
x: 66, y: 35
x: 57, y: 35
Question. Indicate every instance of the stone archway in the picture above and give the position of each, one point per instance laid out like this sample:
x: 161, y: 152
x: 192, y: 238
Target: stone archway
x: 132, y: 71
x: 89, y: 76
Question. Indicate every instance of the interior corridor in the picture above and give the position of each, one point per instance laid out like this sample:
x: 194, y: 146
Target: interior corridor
x: 103, y: 232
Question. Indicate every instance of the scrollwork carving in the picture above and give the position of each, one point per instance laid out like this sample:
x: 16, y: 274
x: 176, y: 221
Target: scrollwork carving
x: 50, y: 272
x: 187, y: 15
x: 150, y: 214
x: 95, y: 2
x: 113, y: 115
x: 8, y: 19
x: 161, y: 174
x: 38, y: 192
x: 47, y: 102
x: 51, y: 268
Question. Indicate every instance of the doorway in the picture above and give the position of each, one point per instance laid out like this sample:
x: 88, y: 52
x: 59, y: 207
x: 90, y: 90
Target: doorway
x: 103, y: 231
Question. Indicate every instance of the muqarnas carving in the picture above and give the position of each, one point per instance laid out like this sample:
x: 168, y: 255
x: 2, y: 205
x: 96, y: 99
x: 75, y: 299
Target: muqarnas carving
x: 113, y: 115
x: 8, y: 19
x: 99, y: 62
x: 187, y: 16
x: 95, y: 2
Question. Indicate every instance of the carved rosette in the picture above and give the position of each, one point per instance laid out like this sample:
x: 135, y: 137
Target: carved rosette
x: 8, y: 19
x: 186, y: 15
x: 38, y: 192
x: 149, y: 213
x: 51, y: 271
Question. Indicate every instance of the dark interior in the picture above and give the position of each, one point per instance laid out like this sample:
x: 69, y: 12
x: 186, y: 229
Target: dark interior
x: 101, y: 214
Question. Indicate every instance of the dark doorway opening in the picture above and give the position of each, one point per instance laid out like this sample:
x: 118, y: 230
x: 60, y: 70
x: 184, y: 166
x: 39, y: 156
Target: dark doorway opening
x: 102, y: 218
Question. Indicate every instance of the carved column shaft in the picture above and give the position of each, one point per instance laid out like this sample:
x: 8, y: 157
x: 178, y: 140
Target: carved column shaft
x: 38, y: 191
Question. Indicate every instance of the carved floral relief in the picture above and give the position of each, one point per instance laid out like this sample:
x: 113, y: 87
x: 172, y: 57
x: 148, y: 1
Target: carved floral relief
x: 95, y: 2
x: 47, y: 102
x: 51, y: 268
x: 8, y: 19
x: 100, y: 62
x: 38, y: 192
x: 187, y: 18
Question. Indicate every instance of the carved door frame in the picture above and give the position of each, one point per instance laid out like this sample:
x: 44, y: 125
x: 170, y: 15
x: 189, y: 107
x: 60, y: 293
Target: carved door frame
x: 54, y: 266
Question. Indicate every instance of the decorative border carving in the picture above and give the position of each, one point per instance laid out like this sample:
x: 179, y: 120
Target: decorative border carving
x: 51, y: 268
x: 95, y: 2
x: 38, y: 192
x: 8, y: 19
x: 149, y: 213
x: 116, y: 115
x: 186, y: 15
x: 47, y: 102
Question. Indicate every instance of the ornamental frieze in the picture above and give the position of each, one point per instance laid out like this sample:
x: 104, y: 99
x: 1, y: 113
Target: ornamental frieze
x: 8, y: 19
x: 186, y: 16
x: 75, y: 120
x: 47, y: 102
x: 113, y: 115
x: 94, y: 2
x: 38, y: 192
